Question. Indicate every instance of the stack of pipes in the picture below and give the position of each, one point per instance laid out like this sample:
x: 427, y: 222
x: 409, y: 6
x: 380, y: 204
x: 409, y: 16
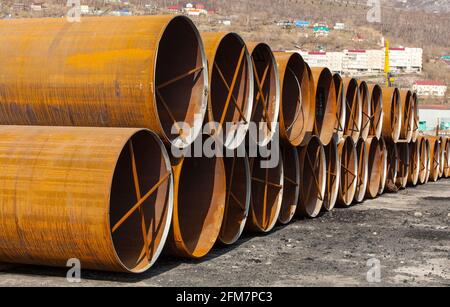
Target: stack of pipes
x: 92, y: 112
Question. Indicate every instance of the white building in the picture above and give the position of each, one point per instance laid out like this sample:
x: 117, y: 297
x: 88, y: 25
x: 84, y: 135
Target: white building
x: 430, y: 116
x: 375, y: 61
x: 355, y: 61
x: 430, y: 88
x: 405, y: 59
x: 335, y: 60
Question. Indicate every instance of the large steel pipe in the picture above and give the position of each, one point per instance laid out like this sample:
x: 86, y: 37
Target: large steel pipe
x: 415, y: 100
x: 231, y: 86
x: 442, y: 156
x: 424, y: 169
x: 446, y: 157
x: 408, y: 116
x: 375, y: 166
x: 435, y: 158
x: 349, y: 171
x: 377, y: 112
x: 363, y: 170
x: 120, y: 72
x: 297, y: 110
x: 200, y: 196
x: 403, y: 165
x: 237, y: 205
x: 291, y: 189
x: 101, y: 195
x: 392, y: 167
x: 326, y: 119
x: 353, y: 123
x: 333, y: 175
x: 312, y: 178
x: 392, y: 119
x: 384, y: 163
x: 341, y: 107
x: 267, y: 94
x: 366, y: 110
x: 266, y: 192
x: 414, y: 165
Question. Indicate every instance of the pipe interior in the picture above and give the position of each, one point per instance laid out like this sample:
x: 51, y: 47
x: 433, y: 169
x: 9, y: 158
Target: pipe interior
x: 291, y: 186
x: 403, y: 164
x: 349, y: 171
x: 377, y: 106
x: 332, y: 157
x: 237, y: 200
x: 340, y: 107
x: 362, y: 170
x: 393, y: 163
x: 151, y: 165
x: 226, y: 61
x: 395, y: 114
x: 201, y: 201
x: 180, y: 51
x: 326, y: 108
x: 266, y: 198
x: 313, y: 179
x: 408, y: 114
x: 374, y: 167
x: 365, y: 102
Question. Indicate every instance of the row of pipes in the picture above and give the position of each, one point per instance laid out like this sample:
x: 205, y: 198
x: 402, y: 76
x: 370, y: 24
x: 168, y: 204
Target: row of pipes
x: 88, y: 110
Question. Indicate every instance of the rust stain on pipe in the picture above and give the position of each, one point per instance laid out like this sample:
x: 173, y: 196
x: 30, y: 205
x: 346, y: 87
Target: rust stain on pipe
x: 353, y: 103
x: 199, y: 205
x: 291, y: 189
x: 349, y: 171
x: 363, y: 170
x: 267, y: 95
x: 333, y: 165
x: 101, y: 195
x: 146, y: 71
x: 312, y: 177
x: 231, y: 85
x: 237, y: 200
x: 377, y: 112
x: 326, y: 109
x: 375, y: 166
x: 366, y: 110
x: 392, y: 120
x: 297, y: 110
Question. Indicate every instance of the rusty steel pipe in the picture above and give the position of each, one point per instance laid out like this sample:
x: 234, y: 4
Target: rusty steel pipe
x: 231, y: 86
x: 291, y: 189
x: 199, y: 206
x: 325, y: 105
x: 403, y: 165
x: 415, y: 101
x: 375, y: 166
x: 146, y: 71
x: 392, y: 167
x: 237, y: 205
x: 297, y: 109
x: 363, y: 170
x: 267, y: 94
x: 435, y: 158
x: 424, y: 169
x: 447, y: 157
x: 442, y: 157
x: 349, y: 171
x: 312, y: 178
x: 101, y: 195
x: 415, y: 167
x: 377, y: 112
x: 408, y: 116
x: 340, y: 102
x: 353, y: 104
x: 333, y: 165
x: 366, y: 109
x: 384, y: 164
x: 392, y: 119
x: 266, y: 194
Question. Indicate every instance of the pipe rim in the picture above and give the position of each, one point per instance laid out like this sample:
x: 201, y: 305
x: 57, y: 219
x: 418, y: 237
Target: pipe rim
x: 197, y: 123
x: 376, y: 101
x: 340, y: 98
x: 330, y: 201
x: 392, y: 122
x: 414, y: 170
x: 407, y: 103
x: 384, y: 173
x: 353, y: 123
x: 347, y: 150
x: 375, y: 166
x: 403, y: 159
x: 393, y: 164
x: 169, y: 203
x: 366, y: 103
x: 288, y: 210
x: 363, y: 170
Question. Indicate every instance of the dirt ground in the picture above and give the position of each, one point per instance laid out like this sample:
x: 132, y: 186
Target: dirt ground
x: 408, y: 232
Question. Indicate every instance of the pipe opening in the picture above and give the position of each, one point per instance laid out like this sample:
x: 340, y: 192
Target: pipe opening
x: 392, y: 120
x: 349, y: 171
x: 142, y: 176
x: 407, y: 115
x: 313, y: 178
x: 435, y: 159
x: 333, y: 175
x: 267, y: 194
x: 384, y: 164
x: 367, y: 114
x: 237, y: 200
x: 375, y: 167
x: 181, y: 81
x: 326, y: 105
x: 403, y: 165
x: 393, y: 166
x: 363, y: 171
x: 414, y: 168
x: 291, y: 188
x: 266, y: 102
x: 353, y: 110
x: 340, y: 105
x: 232, y: 88
x: 376, y: 105
x: 200, y: 204
x: 447, y: 158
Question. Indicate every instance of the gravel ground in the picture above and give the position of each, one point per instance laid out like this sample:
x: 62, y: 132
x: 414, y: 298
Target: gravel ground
x: 408, y: 233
